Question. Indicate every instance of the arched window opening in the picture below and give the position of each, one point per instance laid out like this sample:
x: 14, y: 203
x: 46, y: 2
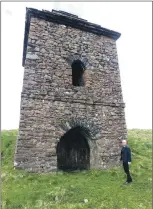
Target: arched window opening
x: 77, y: 73
x: 73, y: 152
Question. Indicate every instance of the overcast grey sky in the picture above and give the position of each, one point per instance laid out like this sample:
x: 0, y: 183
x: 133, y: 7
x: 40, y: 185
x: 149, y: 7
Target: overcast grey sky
x: 132, y: 19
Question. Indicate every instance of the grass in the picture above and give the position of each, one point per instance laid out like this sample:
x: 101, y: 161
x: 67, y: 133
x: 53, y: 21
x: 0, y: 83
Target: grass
x: 92, y: 189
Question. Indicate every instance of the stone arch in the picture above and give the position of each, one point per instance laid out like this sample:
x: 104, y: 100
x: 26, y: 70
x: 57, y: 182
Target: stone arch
x: 85, y: 64
x: 72, y: 58
x: 73, y: 150
x: 91, y: 132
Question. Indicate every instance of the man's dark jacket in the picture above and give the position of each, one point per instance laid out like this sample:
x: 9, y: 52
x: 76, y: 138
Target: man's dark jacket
x: 126, y: 154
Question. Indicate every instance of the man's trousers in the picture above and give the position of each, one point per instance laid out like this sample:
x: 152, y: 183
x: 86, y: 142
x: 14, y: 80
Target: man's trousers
x: 126, y: 169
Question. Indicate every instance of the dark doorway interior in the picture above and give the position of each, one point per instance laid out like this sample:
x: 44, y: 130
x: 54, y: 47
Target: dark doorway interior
x: 73, y: 152
x: 77, y: 73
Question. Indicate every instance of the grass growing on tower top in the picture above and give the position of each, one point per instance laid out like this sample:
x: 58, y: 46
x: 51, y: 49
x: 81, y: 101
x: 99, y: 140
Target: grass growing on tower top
x: 101, y: 189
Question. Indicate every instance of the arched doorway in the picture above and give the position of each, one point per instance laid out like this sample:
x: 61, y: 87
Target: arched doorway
x: 73, y: 152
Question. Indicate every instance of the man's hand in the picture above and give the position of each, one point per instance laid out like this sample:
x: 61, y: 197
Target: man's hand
x: 129, y: 163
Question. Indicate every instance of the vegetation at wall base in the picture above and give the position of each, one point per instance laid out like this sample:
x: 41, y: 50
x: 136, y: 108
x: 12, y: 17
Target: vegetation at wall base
x: 94, y: 189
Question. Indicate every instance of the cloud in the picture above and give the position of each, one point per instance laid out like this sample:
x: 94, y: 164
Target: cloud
x: 8, y: 12
x: 75, y: 8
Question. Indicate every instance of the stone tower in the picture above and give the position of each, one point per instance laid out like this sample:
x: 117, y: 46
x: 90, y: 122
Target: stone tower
x: 72, y: 109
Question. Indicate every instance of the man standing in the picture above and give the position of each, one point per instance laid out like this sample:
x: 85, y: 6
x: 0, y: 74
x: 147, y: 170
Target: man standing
x: 126, y: 158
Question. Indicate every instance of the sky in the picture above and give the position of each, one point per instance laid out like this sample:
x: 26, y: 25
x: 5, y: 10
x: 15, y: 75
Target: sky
x: 132, y: 19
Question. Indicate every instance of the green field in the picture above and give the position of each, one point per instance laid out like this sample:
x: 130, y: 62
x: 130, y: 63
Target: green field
x: 102, y: 189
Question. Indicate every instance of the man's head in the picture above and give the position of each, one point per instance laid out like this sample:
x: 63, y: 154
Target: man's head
x: 124, y: 142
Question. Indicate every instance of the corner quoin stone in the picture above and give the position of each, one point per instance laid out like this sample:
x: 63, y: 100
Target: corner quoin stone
x: 52, y: 41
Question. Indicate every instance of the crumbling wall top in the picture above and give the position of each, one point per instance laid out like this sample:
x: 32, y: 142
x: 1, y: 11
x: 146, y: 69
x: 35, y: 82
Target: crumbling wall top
x: 67, y: 19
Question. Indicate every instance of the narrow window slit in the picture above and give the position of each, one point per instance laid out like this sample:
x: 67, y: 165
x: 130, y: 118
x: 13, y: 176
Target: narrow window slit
x: 77, y: 73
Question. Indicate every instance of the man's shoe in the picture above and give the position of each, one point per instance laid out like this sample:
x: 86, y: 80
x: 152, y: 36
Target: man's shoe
x: 127, y: 182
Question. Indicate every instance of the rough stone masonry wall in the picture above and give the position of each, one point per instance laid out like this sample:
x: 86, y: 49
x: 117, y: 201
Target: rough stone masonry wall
x: 48, y: 96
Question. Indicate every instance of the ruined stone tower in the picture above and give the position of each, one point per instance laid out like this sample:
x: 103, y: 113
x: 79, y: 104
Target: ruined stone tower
x: 72, y: 110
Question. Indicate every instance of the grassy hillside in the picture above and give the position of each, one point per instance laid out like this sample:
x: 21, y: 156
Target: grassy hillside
x: 101, y: 189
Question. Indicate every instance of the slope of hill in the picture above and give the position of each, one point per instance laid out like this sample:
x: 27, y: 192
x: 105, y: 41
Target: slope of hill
x: 88, y: 189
